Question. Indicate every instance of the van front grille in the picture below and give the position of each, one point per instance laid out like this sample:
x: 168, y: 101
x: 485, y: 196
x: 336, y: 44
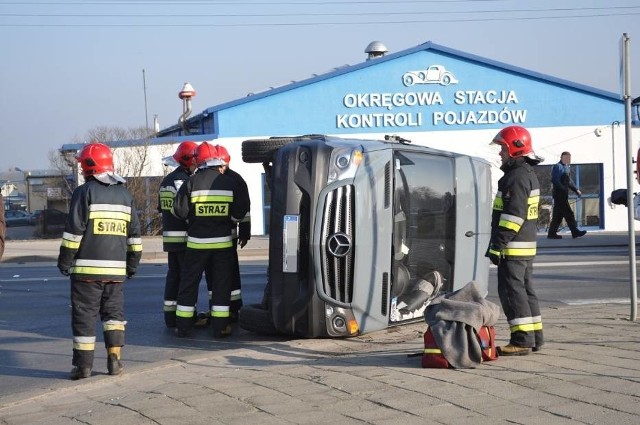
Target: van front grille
x: 338, y: 244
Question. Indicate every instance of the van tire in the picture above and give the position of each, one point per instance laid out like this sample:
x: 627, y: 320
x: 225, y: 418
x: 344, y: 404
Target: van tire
x: 258, y: 151
x: 254, y: 318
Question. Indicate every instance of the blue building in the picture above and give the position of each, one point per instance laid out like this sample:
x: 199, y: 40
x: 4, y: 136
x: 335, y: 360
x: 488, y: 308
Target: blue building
x: 431, y: 95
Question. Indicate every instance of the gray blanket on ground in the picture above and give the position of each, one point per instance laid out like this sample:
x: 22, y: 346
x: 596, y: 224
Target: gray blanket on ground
x: 455, y: 318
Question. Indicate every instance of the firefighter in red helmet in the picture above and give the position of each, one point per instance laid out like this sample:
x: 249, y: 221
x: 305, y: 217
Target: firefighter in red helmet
x: 513, y: 240
x: 101, y: 247
x: 174, y: 230
x: 241, y: 233
x: 209, y: 203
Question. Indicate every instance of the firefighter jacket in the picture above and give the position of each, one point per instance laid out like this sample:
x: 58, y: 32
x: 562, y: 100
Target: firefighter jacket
x: 101, y: 240
x: 174, y: 230
x: 208, y: 202
x: 244, y: 227
x: 515, y: 211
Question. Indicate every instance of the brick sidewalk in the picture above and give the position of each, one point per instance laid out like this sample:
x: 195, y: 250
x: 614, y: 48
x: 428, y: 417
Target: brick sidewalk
x: 587, y: 373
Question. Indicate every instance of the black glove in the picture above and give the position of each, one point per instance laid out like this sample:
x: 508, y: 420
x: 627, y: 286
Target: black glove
x: 242, y: 242
x: 494, y: 255
x: 130, y: 274
x: 64, y: 271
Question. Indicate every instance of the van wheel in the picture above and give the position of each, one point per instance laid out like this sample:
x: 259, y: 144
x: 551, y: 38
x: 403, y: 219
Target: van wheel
x: 254, y: 318
x: 261, y: 150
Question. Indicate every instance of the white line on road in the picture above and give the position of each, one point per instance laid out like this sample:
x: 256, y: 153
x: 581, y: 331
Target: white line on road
x: 597, y: 301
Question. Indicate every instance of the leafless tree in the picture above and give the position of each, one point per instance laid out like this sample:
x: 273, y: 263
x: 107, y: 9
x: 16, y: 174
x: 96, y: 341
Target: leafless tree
x: 131, y: 163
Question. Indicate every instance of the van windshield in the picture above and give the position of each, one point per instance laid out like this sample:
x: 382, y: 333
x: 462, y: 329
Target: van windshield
x: 423, y: 231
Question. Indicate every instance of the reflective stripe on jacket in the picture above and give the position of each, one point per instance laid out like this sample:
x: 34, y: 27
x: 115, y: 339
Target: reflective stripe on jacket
x: 174, y: 230
x: 101, y: 241
x: 515, y: 211
x: 208, y: 202
x: 244, y: 226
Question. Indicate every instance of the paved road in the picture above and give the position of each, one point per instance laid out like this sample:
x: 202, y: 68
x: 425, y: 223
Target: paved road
x: 587, y: 374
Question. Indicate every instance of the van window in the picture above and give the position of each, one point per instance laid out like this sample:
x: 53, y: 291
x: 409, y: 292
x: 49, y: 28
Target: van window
x: 424, y: 224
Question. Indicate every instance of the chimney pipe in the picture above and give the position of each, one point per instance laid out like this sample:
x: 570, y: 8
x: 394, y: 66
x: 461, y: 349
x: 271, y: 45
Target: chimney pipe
x: 186, y: 94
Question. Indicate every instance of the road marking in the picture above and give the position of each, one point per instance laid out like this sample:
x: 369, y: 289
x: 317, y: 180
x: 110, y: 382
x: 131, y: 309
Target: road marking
x: 581, y: 263
x: 597, y: 301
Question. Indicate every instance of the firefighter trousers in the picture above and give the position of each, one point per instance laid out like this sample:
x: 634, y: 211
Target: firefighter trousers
x: 88, y: 300
x: 520, y: 302
x: 236, y: 284
x: 216, y: 263
x: 175, y: 262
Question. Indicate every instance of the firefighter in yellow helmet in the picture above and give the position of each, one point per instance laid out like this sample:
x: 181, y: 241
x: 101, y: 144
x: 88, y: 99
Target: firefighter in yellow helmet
x: 101, y: 247
x: 513, y: 240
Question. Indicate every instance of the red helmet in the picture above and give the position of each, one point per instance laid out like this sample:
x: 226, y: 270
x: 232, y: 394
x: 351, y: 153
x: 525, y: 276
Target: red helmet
x: 185, y: 154
x: 207, y: 154
x: 95, y: 158
x: 224, y: 154
x: 517, y: 140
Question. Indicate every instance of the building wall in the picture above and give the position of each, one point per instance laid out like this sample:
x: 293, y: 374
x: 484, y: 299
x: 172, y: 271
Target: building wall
x: 396, y: 95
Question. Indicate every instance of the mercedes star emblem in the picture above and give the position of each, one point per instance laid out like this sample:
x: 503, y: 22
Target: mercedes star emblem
x: 339, y: 244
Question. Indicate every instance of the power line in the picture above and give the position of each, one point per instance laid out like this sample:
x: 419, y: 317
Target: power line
x: 253, y: 3
x: 269, y: 15
x: 307, y: 24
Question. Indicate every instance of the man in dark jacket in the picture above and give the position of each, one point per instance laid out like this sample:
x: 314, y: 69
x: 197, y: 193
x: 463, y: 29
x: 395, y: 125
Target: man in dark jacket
x: 208, y: 201
x: 174, y: 230
x: 513, y: 240
x: 101, y: 246
x: 562, y: 182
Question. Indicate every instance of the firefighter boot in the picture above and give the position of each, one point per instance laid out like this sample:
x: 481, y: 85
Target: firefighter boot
x: 201, y: 320
x: 79, y: 373
x: 513, y: 350
x: 114, y: 366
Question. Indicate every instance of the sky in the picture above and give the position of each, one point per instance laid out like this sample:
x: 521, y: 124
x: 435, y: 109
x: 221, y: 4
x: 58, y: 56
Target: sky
x: 71, y: 66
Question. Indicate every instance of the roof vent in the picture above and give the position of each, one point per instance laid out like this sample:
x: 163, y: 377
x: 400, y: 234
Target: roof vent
x: 375, y: 49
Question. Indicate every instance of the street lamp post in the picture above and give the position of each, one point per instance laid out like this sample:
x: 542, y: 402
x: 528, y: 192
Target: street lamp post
x: 26, y: 175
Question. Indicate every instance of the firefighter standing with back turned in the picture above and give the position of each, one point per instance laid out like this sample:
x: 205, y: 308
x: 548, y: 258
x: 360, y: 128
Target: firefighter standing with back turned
x: 513, y: 240
x: 101, y: 246
x: 174, y: 230
x: 209, y: 204
x: 241, y: 233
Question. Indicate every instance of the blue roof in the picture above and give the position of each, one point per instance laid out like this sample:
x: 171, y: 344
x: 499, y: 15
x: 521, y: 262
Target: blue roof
x: 206, y: 125
x: 389, y: 57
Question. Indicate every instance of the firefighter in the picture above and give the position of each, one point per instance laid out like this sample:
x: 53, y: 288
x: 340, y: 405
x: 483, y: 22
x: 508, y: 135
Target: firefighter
x: 174, y: 230
x: 207, y: 200
x: 101, y: 246
x: 513, y: 240
x: 241, y: 233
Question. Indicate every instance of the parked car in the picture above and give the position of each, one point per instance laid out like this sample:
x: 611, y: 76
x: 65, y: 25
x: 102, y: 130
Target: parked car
x: 35, y: 217
x: 50, y: 222
x: 17, y: 218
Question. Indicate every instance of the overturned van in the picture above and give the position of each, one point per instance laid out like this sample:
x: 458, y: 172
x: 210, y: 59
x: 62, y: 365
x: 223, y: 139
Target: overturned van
x: 364, y: 232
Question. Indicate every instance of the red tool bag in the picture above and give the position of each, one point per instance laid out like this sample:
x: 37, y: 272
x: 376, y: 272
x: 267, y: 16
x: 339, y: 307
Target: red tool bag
x: 432, y: 355
x: 487, y: 337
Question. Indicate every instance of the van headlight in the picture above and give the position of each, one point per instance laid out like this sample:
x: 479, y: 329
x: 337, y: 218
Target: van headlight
x: 344, y: 163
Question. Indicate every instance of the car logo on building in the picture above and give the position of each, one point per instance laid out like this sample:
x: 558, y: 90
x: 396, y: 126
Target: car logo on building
x: 434, y: 74
x: 339, y: 244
